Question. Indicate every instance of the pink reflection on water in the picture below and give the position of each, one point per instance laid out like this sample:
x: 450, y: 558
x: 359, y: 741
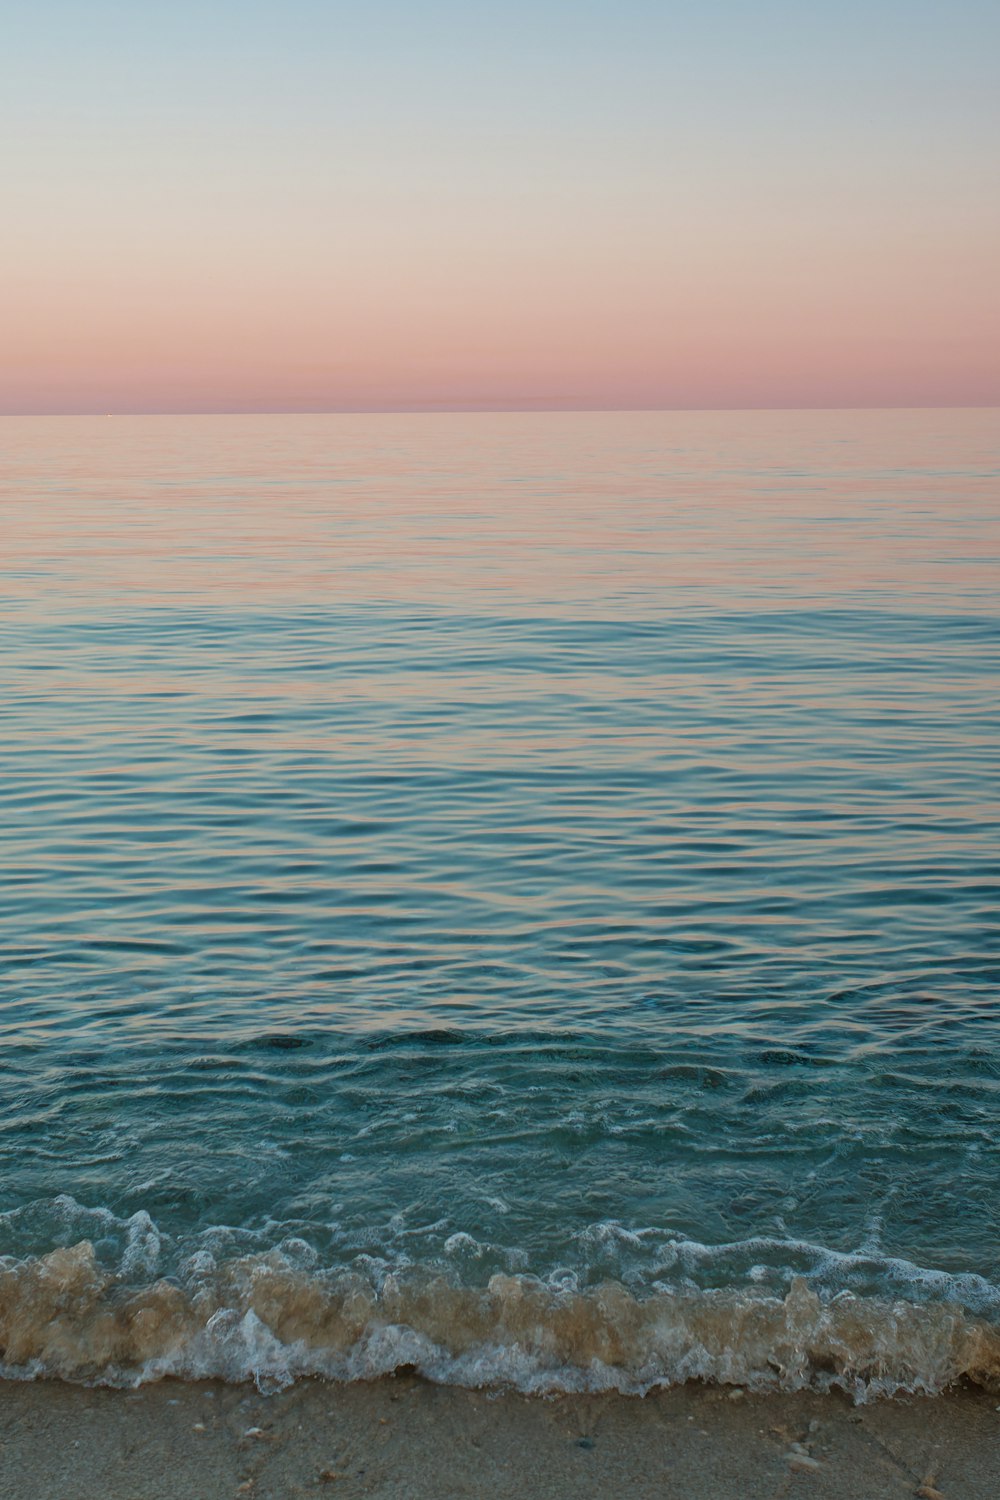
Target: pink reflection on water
x: 636, y: 510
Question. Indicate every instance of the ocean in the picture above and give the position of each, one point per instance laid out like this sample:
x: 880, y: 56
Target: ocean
x: 513, y: 897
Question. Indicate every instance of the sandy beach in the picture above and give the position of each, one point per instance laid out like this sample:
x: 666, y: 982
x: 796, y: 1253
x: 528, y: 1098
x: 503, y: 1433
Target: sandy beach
x: 405, y: 1439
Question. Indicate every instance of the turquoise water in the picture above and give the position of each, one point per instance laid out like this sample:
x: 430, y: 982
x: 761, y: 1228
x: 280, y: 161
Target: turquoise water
x: 513, y: 895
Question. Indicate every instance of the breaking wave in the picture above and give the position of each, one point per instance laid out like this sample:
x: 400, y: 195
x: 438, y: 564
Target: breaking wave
x: 261, y: 1317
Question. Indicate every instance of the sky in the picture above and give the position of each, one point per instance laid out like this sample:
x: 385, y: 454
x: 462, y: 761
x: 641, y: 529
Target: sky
x: 448, y: 204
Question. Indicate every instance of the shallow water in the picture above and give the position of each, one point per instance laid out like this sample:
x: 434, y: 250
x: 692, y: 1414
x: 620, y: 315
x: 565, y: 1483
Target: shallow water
x: 547, y: 853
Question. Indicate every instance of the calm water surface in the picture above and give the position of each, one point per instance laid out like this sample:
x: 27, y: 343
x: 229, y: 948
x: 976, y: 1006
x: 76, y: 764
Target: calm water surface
x: 561, y: 848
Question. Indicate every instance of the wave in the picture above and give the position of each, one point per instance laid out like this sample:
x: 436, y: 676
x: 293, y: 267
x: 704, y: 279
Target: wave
x: 261, y: 1318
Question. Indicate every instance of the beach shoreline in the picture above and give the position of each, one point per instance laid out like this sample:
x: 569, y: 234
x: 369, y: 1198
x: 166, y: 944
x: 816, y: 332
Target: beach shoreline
x: 403, y: 1438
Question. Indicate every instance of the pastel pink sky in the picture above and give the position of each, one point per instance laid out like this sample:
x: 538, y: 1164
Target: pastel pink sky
x: 318, y: 209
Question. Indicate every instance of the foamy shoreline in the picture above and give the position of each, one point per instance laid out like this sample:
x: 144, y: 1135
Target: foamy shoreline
x: 258, y: 1318
x: 405, y: 1439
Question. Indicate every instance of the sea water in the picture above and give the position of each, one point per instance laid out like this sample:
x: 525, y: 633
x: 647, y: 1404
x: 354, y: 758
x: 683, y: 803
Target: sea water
x: 513, y: 896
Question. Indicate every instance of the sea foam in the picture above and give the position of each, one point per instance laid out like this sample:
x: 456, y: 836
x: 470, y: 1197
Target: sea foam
x: 261, y: 1318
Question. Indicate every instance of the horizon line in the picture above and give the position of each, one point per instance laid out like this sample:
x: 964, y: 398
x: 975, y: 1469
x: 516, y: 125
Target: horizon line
x: 445, y: 409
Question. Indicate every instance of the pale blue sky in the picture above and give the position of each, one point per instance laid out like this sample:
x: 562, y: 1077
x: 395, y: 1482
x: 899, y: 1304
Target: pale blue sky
x: 273, y: 136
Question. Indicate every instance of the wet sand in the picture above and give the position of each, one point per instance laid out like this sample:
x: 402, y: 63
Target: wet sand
x: 404, y: 1439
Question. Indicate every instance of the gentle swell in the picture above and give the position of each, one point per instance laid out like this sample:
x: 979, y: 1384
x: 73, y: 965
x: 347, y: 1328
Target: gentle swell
x: 256, y: 1317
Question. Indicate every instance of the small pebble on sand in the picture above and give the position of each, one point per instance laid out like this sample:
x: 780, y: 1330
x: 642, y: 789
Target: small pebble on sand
x: 803, y: 1462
